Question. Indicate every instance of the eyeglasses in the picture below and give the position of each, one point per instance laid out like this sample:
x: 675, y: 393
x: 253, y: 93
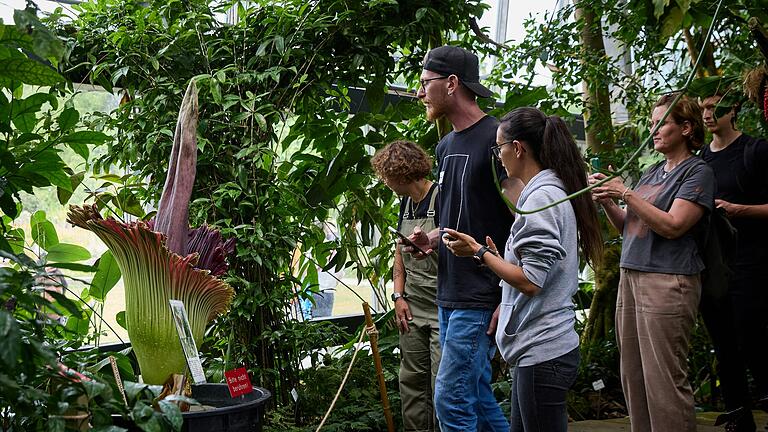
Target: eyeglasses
x: 497, y: 149
x: 423, y: 82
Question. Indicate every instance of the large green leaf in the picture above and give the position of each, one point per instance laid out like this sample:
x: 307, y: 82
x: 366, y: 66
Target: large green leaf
x: 65, y: 305
x: 520, y: 96
x: 658, y: 7
x: 85, y: 137
x: 65, y: 252
x: 63, y: 194
x: 672, y: 23
x: 8, y: 205
x: 46, y: 164
x: 120, y: 319
x: 29, y: 72
x: 128, y: 202
x: 68, y: 119
x: 5, y: 246
x: 10, y: 341
x: 172, y: 414
x: 73, y: 266
x: 712, y: 85
x: 11, y: 36
x: 43, y: 231
x: 106, y: 276
x: 23, y: 112
x: 45, y: 42
x: 30, y: 105
x: 59, y: 178
x: 16, y: 238
x: 25, y: 123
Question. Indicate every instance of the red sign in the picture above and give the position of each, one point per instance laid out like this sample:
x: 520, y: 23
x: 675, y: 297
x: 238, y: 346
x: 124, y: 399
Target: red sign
x: 238, y: 382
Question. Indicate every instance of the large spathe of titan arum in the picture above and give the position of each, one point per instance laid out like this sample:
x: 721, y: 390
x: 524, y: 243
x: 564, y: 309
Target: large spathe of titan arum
x: 164, y: 259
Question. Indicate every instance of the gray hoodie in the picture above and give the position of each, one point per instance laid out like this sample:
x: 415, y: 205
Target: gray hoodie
x: 532, y: 330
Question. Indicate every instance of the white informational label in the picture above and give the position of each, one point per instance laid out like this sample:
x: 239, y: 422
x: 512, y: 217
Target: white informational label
x: 187, y: 341
x: 295, y: 394
x: 598, y: 385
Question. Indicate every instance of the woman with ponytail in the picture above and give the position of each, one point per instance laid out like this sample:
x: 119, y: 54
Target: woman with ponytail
x: 540, y: 265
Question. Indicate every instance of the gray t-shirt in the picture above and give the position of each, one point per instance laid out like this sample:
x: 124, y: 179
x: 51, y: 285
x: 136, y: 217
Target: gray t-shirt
x: 645, y: 250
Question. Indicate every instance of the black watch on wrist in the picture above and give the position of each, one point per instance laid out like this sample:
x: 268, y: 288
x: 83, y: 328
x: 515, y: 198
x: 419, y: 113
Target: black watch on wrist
x: 397, y: 295
x: 478, y: 256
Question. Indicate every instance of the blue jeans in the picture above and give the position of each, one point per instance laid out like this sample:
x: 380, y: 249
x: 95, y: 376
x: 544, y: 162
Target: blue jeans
x: 323, y: 304
x: 539, y: 392
x: 464, y: 400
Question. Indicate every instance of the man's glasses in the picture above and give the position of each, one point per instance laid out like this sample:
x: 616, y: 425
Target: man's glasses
x: 423, y: 82
x: 497, y: 149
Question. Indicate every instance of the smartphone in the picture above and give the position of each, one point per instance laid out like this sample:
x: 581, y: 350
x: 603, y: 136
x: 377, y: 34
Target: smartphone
x: 406, y: 241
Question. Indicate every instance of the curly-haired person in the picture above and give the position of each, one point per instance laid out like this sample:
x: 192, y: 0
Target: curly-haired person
x: 404, y: 168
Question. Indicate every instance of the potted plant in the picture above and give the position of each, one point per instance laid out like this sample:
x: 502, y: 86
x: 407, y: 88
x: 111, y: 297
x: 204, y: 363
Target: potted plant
x: 164, y: 259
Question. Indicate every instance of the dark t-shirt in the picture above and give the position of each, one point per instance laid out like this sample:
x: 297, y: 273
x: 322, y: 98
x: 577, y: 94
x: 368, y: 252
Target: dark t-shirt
x: 645, y: 250
x: 741, y: 174
x: 470, y: 203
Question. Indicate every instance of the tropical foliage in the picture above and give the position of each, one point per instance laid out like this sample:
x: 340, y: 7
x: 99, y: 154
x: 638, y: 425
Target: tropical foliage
x: 294, y: 98
x: 283, y: 144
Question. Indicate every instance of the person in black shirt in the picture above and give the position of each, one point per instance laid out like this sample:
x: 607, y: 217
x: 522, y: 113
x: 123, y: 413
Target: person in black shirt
x: 738, y: 323
x: 467, y: 295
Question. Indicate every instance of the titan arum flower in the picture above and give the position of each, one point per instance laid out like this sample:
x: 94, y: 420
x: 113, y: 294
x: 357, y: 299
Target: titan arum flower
x: 165, y: 259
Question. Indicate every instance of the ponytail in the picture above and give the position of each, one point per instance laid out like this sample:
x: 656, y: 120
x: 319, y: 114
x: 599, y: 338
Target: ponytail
x: 554, y: 148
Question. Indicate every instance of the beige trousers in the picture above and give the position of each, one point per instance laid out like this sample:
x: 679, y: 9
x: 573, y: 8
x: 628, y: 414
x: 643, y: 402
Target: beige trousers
x: 655, y: 314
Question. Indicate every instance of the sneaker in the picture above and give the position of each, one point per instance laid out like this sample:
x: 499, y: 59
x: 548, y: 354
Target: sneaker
x: 738, y: 420
x: 762, y: 403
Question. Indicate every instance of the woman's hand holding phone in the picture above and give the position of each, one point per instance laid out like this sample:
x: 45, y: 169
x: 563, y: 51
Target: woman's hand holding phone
x: 458, y: 243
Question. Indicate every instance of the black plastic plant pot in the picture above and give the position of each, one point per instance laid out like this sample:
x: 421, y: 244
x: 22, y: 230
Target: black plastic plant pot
x: 240, y: 414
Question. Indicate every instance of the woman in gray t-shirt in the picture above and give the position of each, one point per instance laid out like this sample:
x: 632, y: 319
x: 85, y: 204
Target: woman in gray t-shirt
x: 659, y: 288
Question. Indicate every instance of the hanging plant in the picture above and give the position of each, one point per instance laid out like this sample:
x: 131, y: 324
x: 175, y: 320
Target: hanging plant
x: 164, y: 259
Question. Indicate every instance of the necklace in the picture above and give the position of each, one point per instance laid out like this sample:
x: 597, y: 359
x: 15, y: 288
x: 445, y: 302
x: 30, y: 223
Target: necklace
x: 665, y: 173
x: 415, y: 205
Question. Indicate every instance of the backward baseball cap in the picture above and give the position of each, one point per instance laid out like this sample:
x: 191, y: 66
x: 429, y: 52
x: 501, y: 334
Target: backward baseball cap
x: 452, y: 60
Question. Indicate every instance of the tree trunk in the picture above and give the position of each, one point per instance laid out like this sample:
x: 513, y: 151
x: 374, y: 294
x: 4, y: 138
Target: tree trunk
x: 707, y: 67
x: 600, y: 138
x: 597, y: 101
x: 603, y: 307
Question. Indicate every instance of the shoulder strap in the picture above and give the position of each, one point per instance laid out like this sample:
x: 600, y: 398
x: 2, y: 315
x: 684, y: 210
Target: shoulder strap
x: 406, y: 204
x: 432, y: 199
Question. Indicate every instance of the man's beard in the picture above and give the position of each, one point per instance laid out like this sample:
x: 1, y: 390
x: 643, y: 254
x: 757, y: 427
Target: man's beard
x: 435, y: 112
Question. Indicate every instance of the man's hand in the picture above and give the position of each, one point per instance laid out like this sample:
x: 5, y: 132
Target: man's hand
x: 494, y: 321
x: 403, y: 314
x: 731, y: 209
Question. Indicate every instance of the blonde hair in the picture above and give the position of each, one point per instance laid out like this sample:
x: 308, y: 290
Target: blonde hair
x: 686, y: 110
